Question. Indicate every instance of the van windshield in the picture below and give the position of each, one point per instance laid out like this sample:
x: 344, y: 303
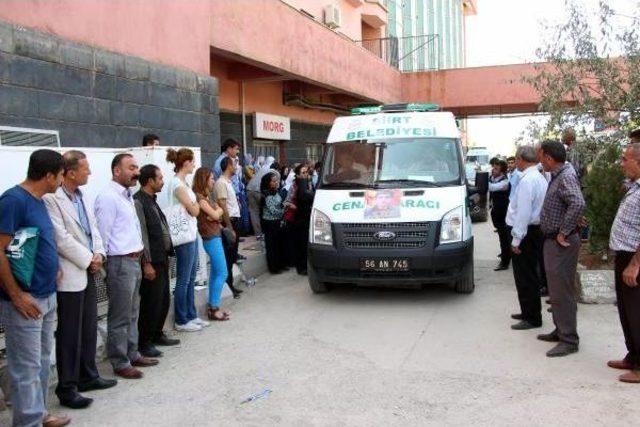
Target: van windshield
x: 409, y: 161
x: 479, y: 158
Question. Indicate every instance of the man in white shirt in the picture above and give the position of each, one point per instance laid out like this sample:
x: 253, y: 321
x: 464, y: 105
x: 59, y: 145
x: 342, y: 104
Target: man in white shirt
x: 122, y: 239
x: 523, y: 216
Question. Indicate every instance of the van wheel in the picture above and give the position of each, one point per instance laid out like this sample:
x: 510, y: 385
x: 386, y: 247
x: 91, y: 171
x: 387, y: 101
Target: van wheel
x: 316, y: 286
x: 466, y: 284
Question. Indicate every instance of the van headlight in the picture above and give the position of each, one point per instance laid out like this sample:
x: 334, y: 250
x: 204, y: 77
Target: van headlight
x: 320, y: 229
x: 451, y: 228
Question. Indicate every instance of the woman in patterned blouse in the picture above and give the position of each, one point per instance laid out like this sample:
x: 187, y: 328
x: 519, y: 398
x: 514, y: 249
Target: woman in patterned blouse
x: 271, y: 213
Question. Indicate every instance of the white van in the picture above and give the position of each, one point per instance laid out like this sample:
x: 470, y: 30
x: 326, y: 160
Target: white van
x: 391, y: 204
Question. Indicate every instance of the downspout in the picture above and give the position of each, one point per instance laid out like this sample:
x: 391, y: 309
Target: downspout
x: 244, y: 120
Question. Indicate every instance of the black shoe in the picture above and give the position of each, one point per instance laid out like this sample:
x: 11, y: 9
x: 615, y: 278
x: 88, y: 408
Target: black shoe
x: 562, y: 349
x: 517, y: 316
x: 303, y: 272
x: 76, y: 401
x: 524, y: 325
x: 551, y: 337
x: 150, y: 351
x: 241, y: 257
x: 97, y: 384
x: 550, y: 310
x: 166, y: 341
x: 501, y: 266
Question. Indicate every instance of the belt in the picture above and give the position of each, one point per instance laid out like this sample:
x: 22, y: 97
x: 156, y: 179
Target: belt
x: 135, y: 255
x: 554, y: 236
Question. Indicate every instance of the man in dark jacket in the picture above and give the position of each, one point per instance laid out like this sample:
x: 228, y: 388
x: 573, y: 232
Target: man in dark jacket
x: 154, y: 289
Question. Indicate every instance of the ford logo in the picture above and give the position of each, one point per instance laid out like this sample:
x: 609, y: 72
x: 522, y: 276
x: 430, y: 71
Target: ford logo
x: 385, y: 235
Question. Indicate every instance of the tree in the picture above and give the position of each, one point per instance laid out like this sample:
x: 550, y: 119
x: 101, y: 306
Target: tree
x: 590, y: 73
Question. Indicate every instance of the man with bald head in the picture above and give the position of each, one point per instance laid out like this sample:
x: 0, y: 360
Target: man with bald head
x: 625, y: 241
x: 523, y: 216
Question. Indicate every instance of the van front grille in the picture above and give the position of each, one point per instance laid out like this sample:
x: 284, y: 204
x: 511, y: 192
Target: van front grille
x: 408, y: 235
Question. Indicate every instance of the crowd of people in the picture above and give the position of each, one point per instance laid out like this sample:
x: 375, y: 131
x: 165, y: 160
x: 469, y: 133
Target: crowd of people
x: 538, y: 212
x: 127, y: 239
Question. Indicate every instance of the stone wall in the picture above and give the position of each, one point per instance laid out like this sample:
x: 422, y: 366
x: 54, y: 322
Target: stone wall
x: 98, y: 98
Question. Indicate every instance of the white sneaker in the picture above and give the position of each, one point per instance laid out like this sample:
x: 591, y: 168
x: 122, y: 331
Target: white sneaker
x: 188, y: 327
x: 202, y: 323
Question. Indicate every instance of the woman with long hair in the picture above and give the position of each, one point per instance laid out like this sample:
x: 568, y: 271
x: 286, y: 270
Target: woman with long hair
x: 186, y: 317
x: 209, y: 228
x: 271, y: 212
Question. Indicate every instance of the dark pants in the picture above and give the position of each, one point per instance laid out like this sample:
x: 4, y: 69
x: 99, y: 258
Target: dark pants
x: 301, y: 244
x: 526, y: 276
x: 498, y: 216
x: 289, y: 245
x: 231, y: 252
x: 561, y: 264
x: 275, y: 245
x: 76, y: 338
x: 629, y: 310
x: 154, y: 305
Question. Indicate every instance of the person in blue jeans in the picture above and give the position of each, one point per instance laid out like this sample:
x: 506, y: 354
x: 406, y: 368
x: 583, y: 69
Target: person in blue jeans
x: 28, y: 310
x: 210, y: 230
x: 186, y: 317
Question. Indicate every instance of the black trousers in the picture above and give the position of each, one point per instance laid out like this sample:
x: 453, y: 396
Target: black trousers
x: 275, y: 244
x: 527, y: 277
x: 301, y: 243
x: 498, y: 217
x: 629, y: 309
x: 155, y: 299
x: 76, y: 338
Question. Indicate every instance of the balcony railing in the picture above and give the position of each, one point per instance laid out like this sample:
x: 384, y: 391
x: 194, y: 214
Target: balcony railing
x: 407, y: 54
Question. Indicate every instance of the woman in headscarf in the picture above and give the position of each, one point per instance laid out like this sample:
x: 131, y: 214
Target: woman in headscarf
x: 255, y: 196
x: 298, y: 215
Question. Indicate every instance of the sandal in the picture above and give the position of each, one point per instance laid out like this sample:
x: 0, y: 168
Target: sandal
x: 216, y: 314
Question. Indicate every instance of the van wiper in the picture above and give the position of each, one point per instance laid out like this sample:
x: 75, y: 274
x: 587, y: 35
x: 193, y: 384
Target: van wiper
x: 345, y: 184
x: 413, y: 182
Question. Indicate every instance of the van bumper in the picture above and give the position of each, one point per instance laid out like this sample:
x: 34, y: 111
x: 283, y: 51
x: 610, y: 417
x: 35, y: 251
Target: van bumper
x: 442, y: 264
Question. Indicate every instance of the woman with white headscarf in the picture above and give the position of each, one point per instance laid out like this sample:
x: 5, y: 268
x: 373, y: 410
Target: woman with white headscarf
x: 255, y: 196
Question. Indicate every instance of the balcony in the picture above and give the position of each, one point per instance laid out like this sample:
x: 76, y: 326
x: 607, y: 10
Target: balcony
x: 407, y: 54
x: 374, y: 13
x: 279, y: 39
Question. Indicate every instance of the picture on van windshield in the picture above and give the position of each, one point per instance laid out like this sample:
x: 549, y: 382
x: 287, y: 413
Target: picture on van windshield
x: 392, y: 163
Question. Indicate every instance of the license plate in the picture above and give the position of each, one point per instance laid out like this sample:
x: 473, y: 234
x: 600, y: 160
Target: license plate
x: 384, y: 264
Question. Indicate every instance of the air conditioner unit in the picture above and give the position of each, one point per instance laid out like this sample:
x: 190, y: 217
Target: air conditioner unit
x: 332, y: 16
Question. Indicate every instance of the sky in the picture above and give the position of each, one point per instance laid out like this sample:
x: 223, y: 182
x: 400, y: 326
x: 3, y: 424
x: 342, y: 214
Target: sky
x: 508, y: 32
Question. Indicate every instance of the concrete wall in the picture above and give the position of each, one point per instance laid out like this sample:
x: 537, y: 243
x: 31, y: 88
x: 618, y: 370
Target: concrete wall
x: 98, y: 98
x: 276, y: 37
x: 474, y: 91
x: 173, y: 32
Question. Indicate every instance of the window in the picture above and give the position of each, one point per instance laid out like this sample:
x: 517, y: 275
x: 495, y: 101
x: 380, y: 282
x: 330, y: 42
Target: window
x: 313, y: 152
x: 266, y: 149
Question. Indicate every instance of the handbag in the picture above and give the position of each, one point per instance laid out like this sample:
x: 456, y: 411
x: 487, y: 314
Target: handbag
x: 183, y: 228
x: 21, y: 253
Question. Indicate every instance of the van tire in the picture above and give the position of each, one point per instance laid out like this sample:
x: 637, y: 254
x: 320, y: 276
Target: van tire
x: 466, y: 284
x: 317, y: 287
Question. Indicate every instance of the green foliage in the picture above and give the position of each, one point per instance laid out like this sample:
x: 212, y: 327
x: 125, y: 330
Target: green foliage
x: 589, y: 71
x: 603, y: 192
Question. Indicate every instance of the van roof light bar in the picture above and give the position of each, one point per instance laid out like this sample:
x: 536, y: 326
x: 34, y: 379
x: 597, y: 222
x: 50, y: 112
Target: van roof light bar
x: 395, y: 108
